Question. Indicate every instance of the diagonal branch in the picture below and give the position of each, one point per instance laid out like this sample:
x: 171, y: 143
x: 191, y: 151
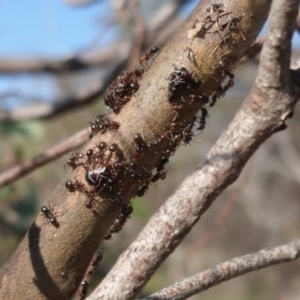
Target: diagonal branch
x: 257, y: 120
x: 228, y: 270
x: 50, y: 154
x: 13, y: 65
x: 47, y: 110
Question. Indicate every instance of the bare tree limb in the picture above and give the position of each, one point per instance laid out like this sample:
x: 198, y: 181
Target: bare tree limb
x: 48, y: 110
x: 50, y: 154
x: 228, y: 270
x: 103, y: 58
x: 263, y: 113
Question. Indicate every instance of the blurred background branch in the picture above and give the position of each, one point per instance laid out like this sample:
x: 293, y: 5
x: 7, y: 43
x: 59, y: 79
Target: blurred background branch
x: 227, y: 270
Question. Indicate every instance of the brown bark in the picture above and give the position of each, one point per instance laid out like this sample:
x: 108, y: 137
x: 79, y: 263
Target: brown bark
x: 50, y: 262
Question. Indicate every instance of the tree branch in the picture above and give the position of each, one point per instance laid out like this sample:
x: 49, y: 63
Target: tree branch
x: 258, y: 119
x: 228, y: 270
x: 48, y: 110
x: 51, y: 260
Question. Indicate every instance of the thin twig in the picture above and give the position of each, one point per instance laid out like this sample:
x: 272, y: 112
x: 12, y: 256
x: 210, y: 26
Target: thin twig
x: 103, y: 58
x: 77, y: 100
x: 50, y: 154
x: 228, y: 270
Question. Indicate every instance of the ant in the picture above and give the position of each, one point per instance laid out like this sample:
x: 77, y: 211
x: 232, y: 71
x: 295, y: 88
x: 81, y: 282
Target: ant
x: 84, y: 288
x: 49, y: 216
x: 140, y: 144
x: 77, y: 186
x: 103, y: 173
x: 102, y: 125
x: 142, y: 190
x: 113, y: 103
x: 89, y: 155
x: 113, y: 148
x: 126, y: 85
x: 94, y: 176
x: 74, y: 161
x: 102, y: 146
x: 162, y: 163
x: 74, y: 186
x: 159, y: 174
x: 120, y: 221
x: 203, y: 99
x: 121, y: 91
x: 95, y: 262
x: 91, y: 194
x: 149, y: 53
x: 224, y: 73
x: 177, y: 78
x: 221, y: 91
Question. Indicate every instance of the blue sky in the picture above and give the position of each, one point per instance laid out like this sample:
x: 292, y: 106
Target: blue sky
x: 51, y: 29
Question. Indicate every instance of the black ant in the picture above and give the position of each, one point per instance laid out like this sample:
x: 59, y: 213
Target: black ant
x: 140, y: 144
x: 120, y: 221
x: 102, y: 146
x: 159, y: 174
x: 142, y: 190
x: 162, y: 163
x: 95, y: 262
x: 224, y: 73
x: 221, y: 91
x: 203, y: 99
x: 149, y: 53
x: 93, y: 177
x: 84, y: 289
x: 89, y: 155
x: 91, y: 194
x: 49, y: 216
x: 77, y: 186
x: 73, y: 186
x: 180, y: 79
x: 113, y: 148
x: 121, y: 91
x: 101, y: 124
x: 126, y: 85
x: 74, y: 161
